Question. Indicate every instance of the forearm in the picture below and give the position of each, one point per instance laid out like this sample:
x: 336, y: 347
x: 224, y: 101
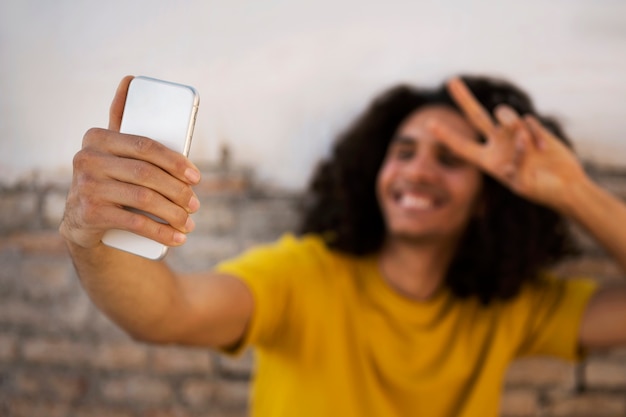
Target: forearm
x: 134, y: 292
x: 601, y: 214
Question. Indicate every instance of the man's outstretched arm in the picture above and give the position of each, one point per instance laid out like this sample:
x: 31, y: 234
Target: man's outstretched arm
x: 144, y: 297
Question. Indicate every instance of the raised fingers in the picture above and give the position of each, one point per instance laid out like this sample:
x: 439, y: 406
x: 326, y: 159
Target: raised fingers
x: 459, y: 144
x: 472, y: 108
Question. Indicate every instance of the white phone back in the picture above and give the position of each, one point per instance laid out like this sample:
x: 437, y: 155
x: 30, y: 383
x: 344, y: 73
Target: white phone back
x: 165, y: 112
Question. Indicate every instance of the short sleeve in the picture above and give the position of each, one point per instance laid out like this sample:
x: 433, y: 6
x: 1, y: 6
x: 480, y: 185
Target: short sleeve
x: 274, y: 274
x: 553, y: 311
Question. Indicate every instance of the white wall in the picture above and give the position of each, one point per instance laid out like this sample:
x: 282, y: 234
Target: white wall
x: 278, y: 78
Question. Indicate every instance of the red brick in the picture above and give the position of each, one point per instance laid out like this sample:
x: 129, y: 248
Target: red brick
x: 519, y: 402
x: 17, y: 210
x: 102, y: 411
x: 8, y: 347
x: 56, y: 351
x: 120, y: 355
x: 33, y: 407
x: 106, y: 328
x: 28, y: 383
x: 600, y: 268
x: 165, y: 412
x: 15, y: 311
x: 605, y: 373
x: 50, y: 384
x: 68, y: 388
x: 181, y: 360
x: 40, y: 278
x: 70, y: 312
x: 591, y: 404
x: 47, y: 242
x: 236, y: 412
x: 540, y: 372
x: 137, y: 389
x: 619, y: 353
x: 232, y: 393
x: 198, y: 392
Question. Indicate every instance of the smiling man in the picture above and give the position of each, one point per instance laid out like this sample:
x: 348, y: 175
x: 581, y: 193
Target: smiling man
x: 419, y: 272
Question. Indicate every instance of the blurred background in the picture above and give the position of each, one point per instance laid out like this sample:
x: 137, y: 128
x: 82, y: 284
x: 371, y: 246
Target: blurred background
x: 277, y: 79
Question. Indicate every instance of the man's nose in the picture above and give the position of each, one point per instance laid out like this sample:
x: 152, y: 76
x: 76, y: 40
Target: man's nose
x: 423, y: 167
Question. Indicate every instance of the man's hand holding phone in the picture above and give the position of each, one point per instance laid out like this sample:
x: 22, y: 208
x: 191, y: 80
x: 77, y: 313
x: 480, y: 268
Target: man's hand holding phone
x: 115, y: 171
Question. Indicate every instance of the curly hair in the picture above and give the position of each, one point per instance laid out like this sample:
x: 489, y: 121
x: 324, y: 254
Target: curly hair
x: 500, y: 251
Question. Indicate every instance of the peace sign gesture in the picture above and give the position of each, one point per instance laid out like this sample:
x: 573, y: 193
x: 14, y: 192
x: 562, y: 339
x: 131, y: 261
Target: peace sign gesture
x: 519, y: 151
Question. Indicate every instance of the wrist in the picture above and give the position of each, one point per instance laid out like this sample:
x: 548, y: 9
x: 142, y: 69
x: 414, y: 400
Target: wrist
x: 578, y: 195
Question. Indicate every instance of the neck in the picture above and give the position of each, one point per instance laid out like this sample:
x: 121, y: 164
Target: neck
x: 415, y: 269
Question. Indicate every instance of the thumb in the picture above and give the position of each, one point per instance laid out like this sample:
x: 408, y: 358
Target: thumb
x: 117, y: 106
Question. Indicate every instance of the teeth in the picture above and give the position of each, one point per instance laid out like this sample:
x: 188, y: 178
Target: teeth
x: 415, y: 202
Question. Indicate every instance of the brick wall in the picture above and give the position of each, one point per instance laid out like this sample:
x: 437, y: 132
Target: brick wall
x: 60, y: 357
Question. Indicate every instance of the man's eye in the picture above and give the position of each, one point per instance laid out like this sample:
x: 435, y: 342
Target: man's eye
x: 450, y: 160
x: 404, y: 153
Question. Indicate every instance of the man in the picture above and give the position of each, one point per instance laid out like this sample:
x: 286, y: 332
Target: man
x: 416, y: 280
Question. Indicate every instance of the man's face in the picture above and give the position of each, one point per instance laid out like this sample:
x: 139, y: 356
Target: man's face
x: 425, y: 192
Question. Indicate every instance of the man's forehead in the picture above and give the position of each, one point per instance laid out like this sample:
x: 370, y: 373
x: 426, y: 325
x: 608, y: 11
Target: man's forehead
x: 415, y: 124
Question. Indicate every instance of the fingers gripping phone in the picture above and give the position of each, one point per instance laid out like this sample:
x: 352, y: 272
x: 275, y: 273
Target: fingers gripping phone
x: 165, y: 112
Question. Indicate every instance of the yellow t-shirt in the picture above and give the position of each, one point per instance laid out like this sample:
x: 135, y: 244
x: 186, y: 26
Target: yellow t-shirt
x: 332, y: 339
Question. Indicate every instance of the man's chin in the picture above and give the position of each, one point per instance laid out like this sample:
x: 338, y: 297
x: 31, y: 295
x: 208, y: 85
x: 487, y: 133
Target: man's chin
x: 415, y: 237
x: 421, y: 237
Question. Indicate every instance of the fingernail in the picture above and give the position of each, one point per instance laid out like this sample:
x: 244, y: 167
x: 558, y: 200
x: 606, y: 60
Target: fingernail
x: 192, y: 175
x: 194, y: 204
x: 507, y: 115
x: 190, y: 224
x: 179, y: 237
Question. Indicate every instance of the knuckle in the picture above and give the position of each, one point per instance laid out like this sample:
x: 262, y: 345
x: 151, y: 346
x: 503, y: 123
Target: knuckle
x: 144, y: 146
x: 87, y: 160
x: 180, y: 165
x: 143, y: 196
x: 82, y: 159
x: 180, y: 218
x: 92, y: 135
x: 85, y: 182
x: 184, y: 194
x: 165, y: 234
x: 137, y: 222
x: 142, y: 172
x: 89, y: 211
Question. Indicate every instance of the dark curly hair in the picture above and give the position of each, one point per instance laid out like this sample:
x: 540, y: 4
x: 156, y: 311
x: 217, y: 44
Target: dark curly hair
x: 510, y: 245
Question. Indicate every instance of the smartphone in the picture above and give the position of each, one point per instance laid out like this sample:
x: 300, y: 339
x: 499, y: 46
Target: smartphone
x: 165, y: 112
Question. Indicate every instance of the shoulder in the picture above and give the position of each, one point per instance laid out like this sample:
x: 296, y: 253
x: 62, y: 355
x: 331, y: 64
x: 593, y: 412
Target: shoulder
x: 292, y: 247
x: 549, y: 288
x: 544, y: 302
x: 287, y: 254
